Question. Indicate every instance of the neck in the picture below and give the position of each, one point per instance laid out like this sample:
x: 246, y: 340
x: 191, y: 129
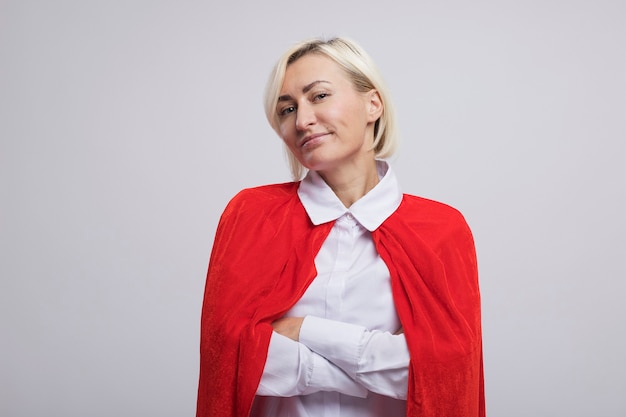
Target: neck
x: 351, y: 184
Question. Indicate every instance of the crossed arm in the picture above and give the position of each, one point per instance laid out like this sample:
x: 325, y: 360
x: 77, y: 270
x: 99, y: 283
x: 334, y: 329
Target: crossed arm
x: 312, y: 354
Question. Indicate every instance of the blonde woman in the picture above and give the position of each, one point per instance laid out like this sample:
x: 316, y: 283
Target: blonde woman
x: 336, y: 294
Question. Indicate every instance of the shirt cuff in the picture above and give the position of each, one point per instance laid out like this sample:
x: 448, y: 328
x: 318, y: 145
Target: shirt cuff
x: 340, y: 343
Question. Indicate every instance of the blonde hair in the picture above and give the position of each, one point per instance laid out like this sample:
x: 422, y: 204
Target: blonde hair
x: 364, y: 75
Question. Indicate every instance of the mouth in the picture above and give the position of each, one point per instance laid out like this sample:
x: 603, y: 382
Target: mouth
x: 312, y: 139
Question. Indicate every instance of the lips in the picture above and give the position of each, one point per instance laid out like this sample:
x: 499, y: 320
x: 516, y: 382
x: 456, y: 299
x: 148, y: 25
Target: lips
x: 311, y: 139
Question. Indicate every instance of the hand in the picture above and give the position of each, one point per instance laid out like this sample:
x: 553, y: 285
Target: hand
x: 289, y: 327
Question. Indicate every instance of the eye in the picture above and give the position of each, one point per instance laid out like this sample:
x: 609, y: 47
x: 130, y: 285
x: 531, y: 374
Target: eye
x: 320, y: 96
x: 286, y: 110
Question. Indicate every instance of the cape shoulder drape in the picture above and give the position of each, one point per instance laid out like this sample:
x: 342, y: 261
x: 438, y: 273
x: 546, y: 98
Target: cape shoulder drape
x: 263, y: 260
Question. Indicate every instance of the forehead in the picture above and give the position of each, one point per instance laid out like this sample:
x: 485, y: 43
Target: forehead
x: 310, y: 68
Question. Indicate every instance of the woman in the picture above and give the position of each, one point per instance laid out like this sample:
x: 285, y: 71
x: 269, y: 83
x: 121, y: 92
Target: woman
x: 338, y: 294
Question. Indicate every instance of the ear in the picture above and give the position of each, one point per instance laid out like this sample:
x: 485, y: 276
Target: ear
x: 375, y: 106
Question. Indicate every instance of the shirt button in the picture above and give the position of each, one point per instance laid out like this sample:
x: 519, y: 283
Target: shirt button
x: 349, y: 216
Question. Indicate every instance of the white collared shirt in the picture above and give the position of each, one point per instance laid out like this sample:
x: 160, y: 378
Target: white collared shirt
x: 348, y: 362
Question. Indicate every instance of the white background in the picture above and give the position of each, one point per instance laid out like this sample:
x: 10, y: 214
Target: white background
x: 125, y: 127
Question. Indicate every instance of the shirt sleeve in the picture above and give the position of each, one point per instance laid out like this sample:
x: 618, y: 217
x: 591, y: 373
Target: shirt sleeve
x: 378, y: 360
x: 293, y: 369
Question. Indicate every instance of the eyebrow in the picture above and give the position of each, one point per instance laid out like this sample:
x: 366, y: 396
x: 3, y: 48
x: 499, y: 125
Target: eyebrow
x: 305, y: 90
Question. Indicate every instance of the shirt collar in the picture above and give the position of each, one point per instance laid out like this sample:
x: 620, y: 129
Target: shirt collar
x: 371, y: 210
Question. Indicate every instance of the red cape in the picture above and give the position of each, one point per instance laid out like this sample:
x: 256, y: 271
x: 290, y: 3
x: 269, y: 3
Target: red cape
x: 263, y: 260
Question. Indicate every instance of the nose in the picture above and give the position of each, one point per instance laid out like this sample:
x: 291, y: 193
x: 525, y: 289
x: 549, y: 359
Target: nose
x: 305, y: 116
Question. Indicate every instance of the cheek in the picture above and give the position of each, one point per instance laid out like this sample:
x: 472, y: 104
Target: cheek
x: 286, y: 131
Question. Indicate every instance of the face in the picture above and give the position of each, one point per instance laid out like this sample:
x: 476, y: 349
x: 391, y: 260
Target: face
x: 324, y: 121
